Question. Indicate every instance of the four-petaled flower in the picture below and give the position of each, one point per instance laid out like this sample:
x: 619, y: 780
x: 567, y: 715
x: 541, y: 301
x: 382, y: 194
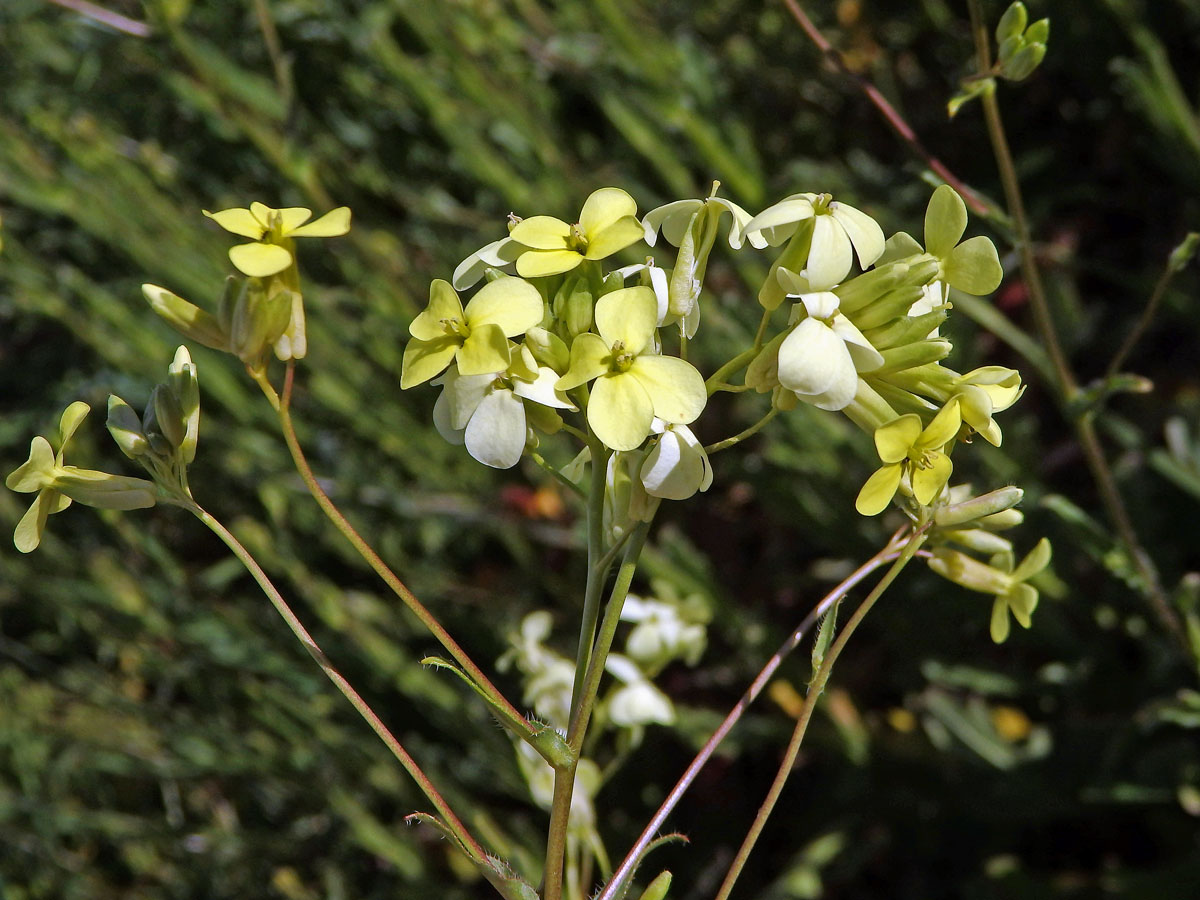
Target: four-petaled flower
x: 677, y: 466
x: 58, y: 484
x: 1000, y: 578
x: 820, y: 359
x: 271, y: 232
x: 607, y: 223
x: 839, y: 231
x: 475, y: 337
x: 905, y: 448
x: 633, y: 383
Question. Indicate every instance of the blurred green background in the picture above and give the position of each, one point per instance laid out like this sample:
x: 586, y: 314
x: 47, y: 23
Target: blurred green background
x: 162, y: 736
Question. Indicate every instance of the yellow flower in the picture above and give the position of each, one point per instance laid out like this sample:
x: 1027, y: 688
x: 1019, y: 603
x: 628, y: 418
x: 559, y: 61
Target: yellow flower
x: 905, y: 448
x: 271, y: 231
x: 607, y: 223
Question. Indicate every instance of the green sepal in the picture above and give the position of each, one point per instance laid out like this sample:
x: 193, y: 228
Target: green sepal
x: 105, y: 491
x: 888, y: 307
x: 905, y: 330
x: 897, y: 359
x: 549, y: 744
x: 793, y: 258
x: 168, y: 415
x: 186, y: 318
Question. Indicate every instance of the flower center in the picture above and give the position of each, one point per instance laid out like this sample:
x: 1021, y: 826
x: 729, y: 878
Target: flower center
x: 923, y: 458
x: 576, y: 240
x: 622, y: 359
x: 455, y: 327
x: 821, y: 204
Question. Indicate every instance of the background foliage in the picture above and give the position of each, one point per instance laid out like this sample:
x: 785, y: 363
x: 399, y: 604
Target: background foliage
x: 162, y: 736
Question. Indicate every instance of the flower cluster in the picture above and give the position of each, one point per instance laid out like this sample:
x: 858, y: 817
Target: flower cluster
x: 556, y: 340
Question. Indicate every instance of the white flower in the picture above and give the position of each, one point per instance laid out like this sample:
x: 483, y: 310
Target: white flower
x: 487, y: 412
x: 660, y: 633
x: 677, y: 467
x: 820, y: 359
x: 839, y: 231
x: 637, y: 702
x: 674, y: 219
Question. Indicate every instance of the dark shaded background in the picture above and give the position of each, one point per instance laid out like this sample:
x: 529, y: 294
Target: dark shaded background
x: 161, y: 736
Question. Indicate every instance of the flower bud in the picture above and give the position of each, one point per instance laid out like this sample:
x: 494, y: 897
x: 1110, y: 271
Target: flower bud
x: 897, y: 359
x: 186, y: 318
x: 977, y: 507
x: 125, y: 428
x: 896, y: 302
x: 968, y: 572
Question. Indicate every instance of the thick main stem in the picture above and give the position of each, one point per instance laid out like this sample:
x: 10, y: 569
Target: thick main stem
x: 810, y: 703
x: 378, y: 565
x: 564, y: 778
x: 469, y: 844
x: 1110, y: 494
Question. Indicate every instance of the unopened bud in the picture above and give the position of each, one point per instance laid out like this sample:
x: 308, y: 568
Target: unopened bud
x: 977, y: 507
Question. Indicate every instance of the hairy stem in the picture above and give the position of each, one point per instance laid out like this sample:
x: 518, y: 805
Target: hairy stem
x: 469, y: 844
x: 810, y: 702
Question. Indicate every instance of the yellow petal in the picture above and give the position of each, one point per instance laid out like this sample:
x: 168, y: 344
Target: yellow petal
x: 292, y: 217
x: 927, y: 483
x: 542, y: 233
x: 879, y: 490
x: 943, y: 428
x: 259, y: 260
x: 425, y: 359
x: 34, y: 473
x: 334, y: 223
x: 675, y: 387
x: 443, y: 304
x: 535, y: 263
x: 589, y: 359
x: 896, y: 438
x: 628, y: 315
x: 29, y: 530
x: 71, y: 417
x: 620, y: 411
x: 238, y: 221
x: 999, y: 625
x: 484, y: 351
x: 618, y: 236
x: 603, y: 209
x: 512, y: 304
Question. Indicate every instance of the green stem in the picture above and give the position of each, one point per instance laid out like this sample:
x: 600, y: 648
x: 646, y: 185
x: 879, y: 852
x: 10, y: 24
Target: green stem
x: 381, y: 568
x: 598, y: 565
x: 742, y: 435
x: 469, y: 844
x: 564, y: 778
x: 1110, y: 494
x: 718, y: 378
x: 810, y: 703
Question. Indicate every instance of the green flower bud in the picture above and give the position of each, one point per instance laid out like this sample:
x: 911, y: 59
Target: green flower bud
x: 186, y: 318
x: 548, y: 349
x: 658, y: 887
x: 1012, y: 23
x: 1023, y: 62
x: 905, y: 330
x: 104, y: 491
x: 181, y: 378
x: 897, y: 359
x: 969, y: 572
x: 978, y: 507
x: 168, y: 415
x: 892, y: 304
x: 125, y: 428
x: 1038, y: 32
x: 573, y: 305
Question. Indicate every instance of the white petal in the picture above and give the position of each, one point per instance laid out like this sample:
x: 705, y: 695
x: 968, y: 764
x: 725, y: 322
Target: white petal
x: 496, y: 433
x: 815, y: 365
x: 463, y: 394
x: 863, y: 231
x: 443, y: 420
x: 862, y: 351
x: 821, y: 304
x: 676, y: 468
x: 830, y: 257
x: 542, y: 390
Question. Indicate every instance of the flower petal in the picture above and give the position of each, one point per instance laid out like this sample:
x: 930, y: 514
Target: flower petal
x: 945, y: 221
x: 485, y: 351
x: 536, y: 263
x: 673, y: 218
x: 603, y: 209
x: 1022, y: 601
x: 334, y: 223
x: 879, y: 490
x: 675, y: 469
x: 896, y: 438
x: 29, y: 530
x: 259, y: 260
x: 942, y: 429
x: 443, y: 304
x: 771, y: 222
x: 815, y: 364
x: 35, y: 472
x: 620, y: 411
x: 830, y: 256
x: 292, y: 217
x: 542, y: 233
x: 863, y: 231
x: 496, y: 433
x: 510, y: 303
x: 973, y: 267
x: 927, y: 483
x: 426, y: 359
x: 999, y: 625
x: 542, y: 390
x: 1036, y: 560
x: 463, y: 394
x: 71, y: 417
x: 238, y: 221
x: 621, y: 234
x: 443, y: 421
x: 862, y: 351
x: 675, y: 387
x: 590, y: 358
x: 494, y: 255
x: 628, y: 315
